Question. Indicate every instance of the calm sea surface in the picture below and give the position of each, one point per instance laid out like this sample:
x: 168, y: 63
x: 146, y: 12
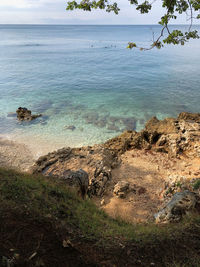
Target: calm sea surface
x: 83, y: 76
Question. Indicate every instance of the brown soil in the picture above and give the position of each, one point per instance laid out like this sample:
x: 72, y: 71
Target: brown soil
x: 37, y: 242
x: 147, y: 172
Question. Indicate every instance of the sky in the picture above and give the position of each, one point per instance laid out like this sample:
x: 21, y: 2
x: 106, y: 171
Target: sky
x: 53, y: 12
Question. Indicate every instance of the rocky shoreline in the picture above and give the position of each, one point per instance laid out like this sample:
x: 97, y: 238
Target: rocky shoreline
x: 133, y: 175
x: 136, y: 174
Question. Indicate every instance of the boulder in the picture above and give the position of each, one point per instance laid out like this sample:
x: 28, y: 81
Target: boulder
x: 127, y: 140
x: 121, y: 189
x: 24, y: 114
x: 166, y: 126
x: 77, y: 179
x: 187, y: 116
x: 98, y: 161
x: 70, y: 127
x: 174, y: 136
x: 44, y: 162
x: 181, y: 204
x: 101, y: 177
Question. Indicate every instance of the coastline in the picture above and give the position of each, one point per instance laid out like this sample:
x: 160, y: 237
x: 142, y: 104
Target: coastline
x: 21, y: 151
x: 134, y: 174
x: 151, y: 165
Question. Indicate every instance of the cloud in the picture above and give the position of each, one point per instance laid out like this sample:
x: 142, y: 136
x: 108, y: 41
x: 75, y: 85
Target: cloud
x: 23, y: 4
x: 53, y: 12
x: 16, y: 3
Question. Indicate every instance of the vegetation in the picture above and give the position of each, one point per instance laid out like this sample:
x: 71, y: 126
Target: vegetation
x: 38, y: 213
x: 196, y: 185
x: 171, y: 10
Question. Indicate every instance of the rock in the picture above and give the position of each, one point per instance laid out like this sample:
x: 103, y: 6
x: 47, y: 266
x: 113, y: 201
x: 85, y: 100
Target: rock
x: 43, y: 106
x: 121, y: 189
x: 121, y: 143
x: 44, y: 162
x: 78, y: 179
x: 177, y: 137
x: 129, y: 123
x: 67, y: 243
x: 130, y: 140
x: 70, y: 127
x: 91, y: 117
x: 189, y: 116
x: 23, y: 114
x: 103, y: 202
x: 102, y: 175
x: 181, y: 204
x: 166, y: 126
x: 172, y: 136
x: 101, y: 123
x: 98, y: 160
x: 141, y: 190
x: 113, y: 127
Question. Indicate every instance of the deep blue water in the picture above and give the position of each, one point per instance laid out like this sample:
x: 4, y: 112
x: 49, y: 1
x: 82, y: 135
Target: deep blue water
x: 84, y: 76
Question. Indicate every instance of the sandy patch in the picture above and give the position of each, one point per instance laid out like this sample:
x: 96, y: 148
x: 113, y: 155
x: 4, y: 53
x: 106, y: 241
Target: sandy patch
x: 150, y: 171
x: 15, y: 155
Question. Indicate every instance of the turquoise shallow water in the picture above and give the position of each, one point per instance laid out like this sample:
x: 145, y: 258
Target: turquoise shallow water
x: 84, y: 76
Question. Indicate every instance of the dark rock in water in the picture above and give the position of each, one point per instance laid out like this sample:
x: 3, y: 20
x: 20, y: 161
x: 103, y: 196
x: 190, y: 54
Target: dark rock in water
x: 70, y: 127
x: 41, y: 121
x: 23, y: 114
x: 77, y: 179
x: 43, y: 106
x: 129, y: 123
x: 91, y: 117
x: 181, y: 204
x: 101, y: 123
x: 113, y: 119
x: 113, y: 127
x: 80, y: 107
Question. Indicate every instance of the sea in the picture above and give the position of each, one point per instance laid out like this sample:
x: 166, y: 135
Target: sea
x: 87, y: 85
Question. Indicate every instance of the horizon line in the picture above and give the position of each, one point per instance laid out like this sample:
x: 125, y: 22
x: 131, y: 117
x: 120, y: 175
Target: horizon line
x: 56, y: 24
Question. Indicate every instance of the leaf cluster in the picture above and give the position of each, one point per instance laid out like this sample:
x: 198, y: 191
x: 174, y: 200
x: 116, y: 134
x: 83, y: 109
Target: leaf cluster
x: 88, y: 5
x: 172, y: 9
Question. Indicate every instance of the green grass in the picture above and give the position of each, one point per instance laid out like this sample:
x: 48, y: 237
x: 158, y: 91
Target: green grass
x: 47, y: 199
x: 44, y: 197
x: 196, y: 185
